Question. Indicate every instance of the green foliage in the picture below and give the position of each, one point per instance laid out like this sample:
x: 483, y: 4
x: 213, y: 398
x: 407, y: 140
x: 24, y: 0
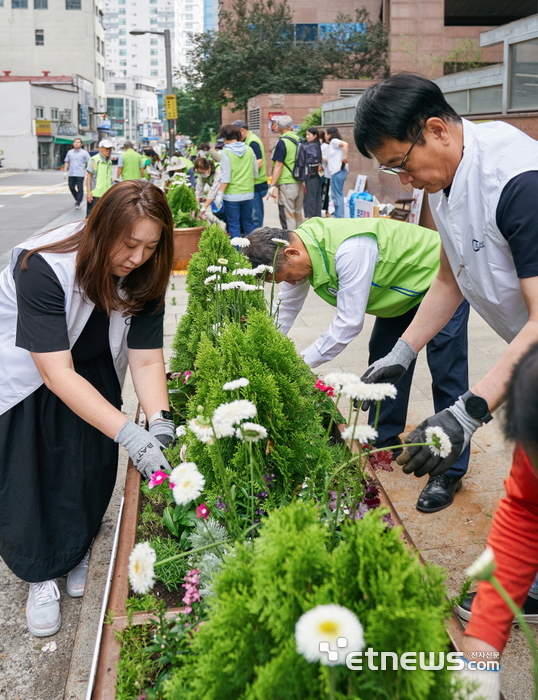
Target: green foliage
x: 246, y: 649
x: 197, y: 117
x: 313, y: 118
x: 171, y: 574
x: 142, y: 603
x: 257, y: 50
x: 136, y: 668
x: 200, y: 314
x: 184, y: 206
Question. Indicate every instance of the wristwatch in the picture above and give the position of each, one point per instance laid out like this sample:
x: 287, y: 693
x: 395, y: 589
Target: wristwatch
x: 163, y: 415
x: 477, y: 407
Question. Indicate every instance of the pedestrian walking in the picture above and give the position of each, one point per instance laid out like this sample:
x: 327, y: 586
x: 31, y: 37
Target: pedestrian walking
x: 260, y: 185
x: 130, y: 164
x: 337, y: 168
x: 75, y: 165
x: 384, y: 268
x: 284, y: 186
x: 239, y: 170
x: 482, y: 182
x: 312, y: 195
x: 78, y: 305
x: 325, y: 180
x: 98, y: 175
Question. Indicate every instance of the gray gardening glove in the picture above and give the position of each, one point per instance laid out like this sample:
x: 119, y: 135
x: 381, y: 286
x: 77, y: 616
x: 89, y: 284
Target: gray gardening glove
x: 143, y: 449
x: 457, y: 424
x: 390, y: 368
x: 163, y: 430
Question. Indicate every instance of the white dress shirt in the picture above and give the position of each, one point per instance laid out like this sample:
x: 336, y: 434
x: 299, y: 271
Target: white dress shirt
x: 355, y: 262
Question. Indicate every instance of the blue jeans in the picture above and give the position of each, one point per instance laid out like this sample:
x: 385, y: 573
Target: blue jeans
x: 239, y: 217
x: 257, y: 209
x: 447, y: 360
x: 337, y: 191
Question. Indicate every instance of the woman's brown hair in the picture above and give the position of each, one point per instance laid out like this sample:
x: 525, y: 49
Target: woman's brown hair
x: 204, y: 164
x: 111, y: 220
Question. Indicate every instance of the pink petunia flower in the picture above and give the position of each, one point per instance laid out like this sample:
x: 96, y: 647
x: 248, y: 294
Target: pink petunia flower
x: 187, y: 376
x: 202, y: 511
x: 325, y: 388
x: 157, y: 478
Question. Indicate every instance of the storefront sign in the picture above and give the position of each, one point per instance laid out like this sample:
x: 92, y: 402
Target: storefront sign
x: 43, y: 127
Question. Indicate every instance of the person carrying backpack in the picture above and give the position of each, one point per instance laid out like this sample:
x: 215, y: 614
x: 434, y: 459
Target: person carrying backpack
x: 309, y: 159
x: 285, y: 186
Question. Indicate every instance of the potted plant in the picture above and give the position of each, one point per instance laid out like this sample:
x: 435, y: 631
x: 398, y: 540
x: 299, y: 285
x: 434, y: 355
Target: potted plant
x: 188, y: 226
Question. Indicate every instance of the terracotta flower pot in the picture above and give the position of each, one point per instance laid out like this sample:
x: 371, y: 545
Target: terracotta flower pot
x: 185, y: 244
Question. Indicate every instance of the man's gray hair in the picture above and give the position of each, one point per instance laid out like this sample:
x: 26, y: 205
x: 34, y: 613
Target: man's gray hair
x: 284, y: 121
x: 128, y: 144
x: 262, y: 248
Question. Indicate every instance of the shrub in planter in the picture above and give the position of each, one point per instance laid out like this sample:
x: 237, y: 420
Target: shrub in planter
x: 183, y: 203
x: 247, y: 648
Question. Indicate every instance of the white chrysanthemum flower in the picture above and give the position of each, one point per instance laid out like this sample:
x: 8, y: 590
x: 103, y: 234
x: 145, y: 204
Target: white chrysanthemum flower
x: 240, y: 242
x: 181, y: 430
x: 362, y: 433
x: 441, y: 442
x: 214, y: 268
x: 280, y: 241
x: 141, y: 571
x: 222, y: 261
x: 210, y: 279
x: 228, y: 285
x: 188, y: 487
x: 482, y: 569
x: 326, y: 624
x: 380, y: 392
x: 179, y: 472
x: 236, y: 384
x: 234, y: 412
x: 223, y: 429
x: 354, y: 390
x: 339, y: 379
x: 251, y: 432
x: 262, y: 268
x: 203, y: 432
x: 242, y: 272
x: 244, y: 287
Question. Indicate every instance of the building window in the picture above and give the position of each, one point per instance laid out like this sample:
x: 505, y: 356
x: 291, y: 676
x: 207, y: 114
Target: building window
x: 41, y: 4
x: 459, y: 101
x: 123, y: 42
x: 121, y: 10
x: 154, y: 52
x: 123, y: 52
x: 154, y: 42
x: 39, y: 112
x: 22, y: 4
x: 154, y: 73
x: 524, y: 75
x: 154, y: 62
x: 486, y: 99
x: 122, y: 32
x: 40, y: 37
x: 188, y: 16
x: 153, y: 11
x: 121, y: 2
x: 121, y: 21
x: 153, y: 2
x: 123, y: 63
x: 153, y: 20
x: 54, y: 114
x: 488, y: 13
x: 188, y: 25
x: 73, y: 4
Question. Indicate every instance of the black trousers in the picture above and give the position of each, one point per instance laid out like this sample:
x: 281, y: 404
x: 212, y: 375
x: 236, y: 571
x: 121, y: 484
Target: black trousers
x: 76, y: 185
x: 312, y: 197
x: 90, y: 205
x: 447, y: 360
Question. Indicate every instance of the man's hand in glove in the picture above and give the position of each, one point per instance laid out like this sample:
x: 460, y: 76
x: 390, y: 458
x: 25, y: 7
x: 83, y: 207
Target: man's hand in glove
x: 144, y: 449
x: 390, y: 368
x: 163, y: 430
x: 458, y: 425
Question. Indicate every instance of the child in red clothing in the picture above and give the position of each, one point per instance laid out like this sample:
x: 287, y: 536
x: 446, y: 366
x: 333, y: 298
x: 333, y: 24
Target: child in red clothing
x: 514, y: 532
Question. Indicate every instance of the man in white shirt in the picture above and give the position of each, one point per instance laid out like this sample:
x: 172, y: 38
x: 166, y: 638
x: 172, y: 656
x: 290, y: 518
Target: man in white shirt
x: 382, y: 267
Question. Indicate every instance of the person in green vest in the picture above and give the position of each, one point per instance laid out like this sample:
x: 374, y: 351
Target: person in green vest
x: 98, y: 174
x: 381, y: 267
x: 283, y: 185
x: 260, y: 185
x: 239, y: 171
x: 130, y: 164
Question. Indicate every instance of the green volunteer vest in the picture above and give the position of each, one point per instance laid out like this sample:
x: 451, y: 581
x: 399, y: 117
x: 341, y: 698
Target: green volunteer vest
x: 407, y: 264
x: 187, y: 163
x: 211, y: 178
x: 262, y: 171
x: 286, y: 176
x: 103, y: 175
x: 242, y: 175
x: 131, y: 165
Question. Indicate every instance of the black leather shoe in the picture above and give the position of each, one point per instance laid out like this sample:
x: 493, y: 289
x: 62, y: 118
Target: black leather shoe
x: 438, y: 493
x: 530, y: 609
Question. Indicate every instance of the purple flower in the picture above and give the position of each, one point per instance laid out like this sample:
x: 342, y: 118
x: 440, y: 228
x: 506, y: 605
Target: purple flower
x: 269, y: 479
x: 388, y: 520
x: 221, y: 505
x: 262, y: 494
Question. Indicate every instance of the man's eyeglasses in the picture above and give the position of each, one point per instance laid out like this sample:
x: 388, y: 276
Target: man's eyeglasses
x: 396, y: 169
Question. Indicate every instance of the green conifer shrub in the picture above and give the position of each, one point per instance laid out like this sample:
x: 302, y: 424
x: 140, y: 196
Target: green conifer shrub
x: 246, y: 649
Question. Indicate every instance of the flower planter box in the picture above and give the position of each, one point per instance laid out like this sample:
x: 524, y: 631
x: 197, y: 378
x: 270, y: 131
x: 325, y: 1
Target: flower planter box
x: 109, y: 649
x: 185, y: 245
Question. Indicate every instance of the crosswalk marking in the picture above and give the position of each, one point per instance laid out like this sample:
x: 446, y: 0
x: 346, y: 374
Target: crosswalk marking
x: 26, y: 191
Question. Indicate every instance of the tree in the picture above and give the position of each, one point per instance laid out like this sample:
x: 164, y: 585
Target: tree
x: 313, y: 118
x: 258, y: 50
x: 197, y: 117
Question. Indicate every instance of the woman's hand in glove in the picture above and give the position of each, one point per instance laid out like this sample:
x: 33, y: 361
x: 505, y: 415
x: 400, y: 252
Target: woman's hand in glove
x: 143, y: 448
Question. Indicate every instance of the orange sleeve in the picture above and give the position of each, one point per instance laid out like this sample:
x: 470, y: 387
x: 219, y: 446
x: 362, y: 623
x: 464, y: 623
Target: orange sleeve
x: 514, y: 540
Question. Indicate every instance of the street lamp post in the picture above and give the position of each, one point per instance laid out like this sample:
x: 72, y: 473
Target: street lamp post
x: 169, y: 85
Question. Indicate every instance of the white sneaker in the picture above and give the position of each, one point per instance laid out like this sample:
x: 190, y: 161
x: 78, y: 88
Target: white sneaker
x: 77, y: 206
x: 43, y: 609
x: 76, y: 579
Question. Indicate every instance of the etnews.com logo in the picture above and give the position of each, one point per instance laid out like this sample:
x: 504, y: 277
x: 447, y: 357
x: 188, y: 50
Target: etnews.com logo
x: 410, y: 660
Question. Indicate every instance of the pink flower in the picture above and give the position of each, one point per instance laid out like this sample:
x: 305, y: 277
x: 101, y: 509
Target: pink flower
x: 192, y: 594
x: 175, y: 375
x: 202, y: 511
x: 187, y: 376
x: 325, y: 388
x: 157, y: 478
